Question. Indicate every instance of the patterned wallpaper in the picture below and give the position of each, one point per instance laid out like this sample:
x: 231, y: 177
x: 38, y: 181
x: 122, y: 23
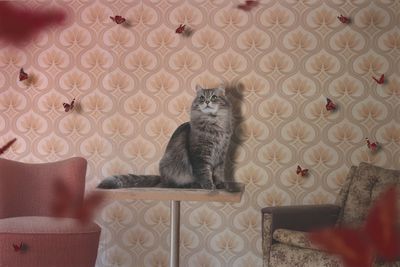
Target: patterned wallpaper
x: 134, y: 83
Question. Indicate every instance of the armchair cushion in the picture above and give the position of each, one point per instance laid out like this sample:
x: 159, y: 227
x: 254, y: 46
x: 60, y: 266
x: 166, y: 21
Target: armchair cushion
x: 47, y: 240
x: 283, y: 255
x: 367, y: 184
x: 293, y: 238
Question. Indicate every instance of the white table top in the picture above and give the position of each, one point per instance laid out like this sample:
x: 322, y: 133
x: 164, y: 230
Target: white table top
x: 179, y: 194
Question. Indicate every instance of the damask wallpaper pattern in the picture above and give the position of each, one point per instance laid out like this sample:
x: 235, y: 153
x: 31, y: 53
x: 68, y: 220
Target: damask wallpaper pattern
x: 134, y: 83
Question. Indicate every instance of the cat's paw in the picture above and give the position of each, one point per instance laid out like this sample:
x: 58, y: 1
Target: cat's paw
x: 220, y: 185
x: 207, y: 185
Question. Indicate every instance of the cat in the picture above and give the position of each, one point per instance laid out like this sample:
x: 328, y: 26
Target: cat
x: 196, y: 153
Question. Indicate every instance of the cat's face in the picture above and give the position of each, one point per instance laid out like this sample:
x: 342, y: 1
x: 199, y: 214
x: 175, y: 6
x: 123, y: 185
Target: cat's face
x: 210, y: 100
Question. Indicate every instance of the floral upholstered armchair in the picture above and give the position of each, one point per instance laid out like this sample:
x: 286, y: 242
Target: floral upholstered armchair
x: 284, y: 229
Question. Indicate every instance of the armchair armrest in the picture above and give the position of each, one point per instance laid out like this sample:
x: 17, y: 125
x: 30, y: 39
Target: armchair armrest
x: 302, y: 217
x: 299, y: 218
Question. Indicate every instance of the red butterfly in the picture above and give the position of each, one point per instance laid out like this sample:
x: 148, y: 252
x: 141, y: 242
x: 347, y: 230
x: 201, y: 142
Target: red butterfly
x: 379, y: 236
x: 343, y: 19
x: 373, y: 146
x: 65, y: 205
x: 381, y: 79
x: 330, y: 105
x: 118, y: 19
x: 20, y: 248
x: 180, y: 29
x: 69, y: 107
x: 248, y: 5
x: 7, y: 145
x: 300, y: 171
x: 22, y: 74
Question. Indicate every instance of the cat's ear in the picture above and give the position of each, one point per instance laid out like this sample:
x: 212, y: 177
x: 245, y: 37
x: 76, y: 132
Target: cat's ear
x: 221, y: 90
x: 198, y: 88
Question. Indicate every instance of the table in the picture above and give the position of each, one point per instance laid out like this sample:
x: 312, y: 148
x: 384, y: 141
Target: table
x: 175, y: 196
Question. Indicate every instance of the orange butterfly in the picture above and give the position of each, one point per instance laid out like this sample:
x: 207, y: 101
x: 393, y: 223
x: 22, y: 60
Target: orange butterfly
x: 20, y: 248
x: 381, y: 79
x: 68, y: 107
x: 7, y: 146
x: 180, y: 29
x: 65, y: 205
x: 22, y: 75
x: 118, y: 19
x: 330, y: 106
x: 373, y: 146
x: 301, y: 172
x: 343, y: 19
x: 378, y: 237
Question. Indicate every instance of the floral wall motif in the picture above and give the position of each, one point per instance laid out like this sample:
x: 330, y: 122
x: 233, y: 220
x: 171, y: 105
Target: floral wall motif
x: 133, y: 86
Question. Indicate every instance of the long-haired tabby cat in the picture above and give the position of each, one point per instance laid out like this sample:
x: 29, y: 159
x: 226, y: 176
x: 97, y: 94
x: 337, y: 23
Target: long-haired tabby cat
x: 196, y: 153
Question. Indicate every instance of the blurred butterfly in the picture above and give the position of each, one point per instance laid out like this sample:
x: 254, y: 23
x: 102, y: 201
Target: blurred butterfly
x: 381, y: 79
x: 68, y: 107
x: 22, y: 75
x: 248, y: 5
x: 65, y: 205
x: 379, y: 235
x: 301, y: 172
x: 343, y: 19
x: 373, y: 146
x: 7, y: 146
x: 118, y: 19
x: 20, y: 248
x: 330, y: 106
x: 180, y: 29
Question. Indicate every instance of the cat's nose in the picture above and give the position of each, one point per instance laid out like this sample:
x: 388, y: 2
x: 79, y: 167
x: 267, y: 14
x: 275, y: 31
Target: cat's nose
x: 207, y: 102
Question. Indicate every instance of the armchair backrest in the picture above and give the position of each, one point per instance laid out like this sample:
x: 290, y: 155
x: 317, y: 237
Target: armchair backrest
x: 366, y: 184
x: 28, y: 189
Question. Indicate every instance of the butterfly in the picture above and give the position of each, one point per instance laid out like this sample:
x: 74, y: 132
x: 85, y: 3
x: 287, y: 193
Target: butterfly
x: 330, y: 105
x: 180, y: 29
x: 68, y: 107
x: 301, y: 172
x: 118, y: 19
x: 248, y: 5
x: 20, y: 248
x: 381, y: 79
x: 373, y: 146
x: 378, y: 236
x: 65, y: 205
x: 343, y: 19
x: 7, y: 146
x: 22, y: 75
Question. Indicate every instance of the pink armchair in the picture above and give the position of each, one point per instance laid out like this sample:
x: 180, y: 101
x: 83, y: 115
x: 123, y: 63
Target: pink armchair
x: 26, y: 197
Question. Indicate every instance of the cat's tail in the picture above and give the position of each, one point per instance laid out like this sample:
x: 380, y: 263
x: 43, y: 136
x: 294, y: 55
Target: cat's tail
x: 130, y: 180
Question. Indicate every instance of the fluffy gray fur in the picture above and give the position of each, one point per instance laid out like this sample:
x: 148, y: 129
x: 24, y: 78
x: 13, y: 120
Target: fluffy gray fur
x: 196, y: 153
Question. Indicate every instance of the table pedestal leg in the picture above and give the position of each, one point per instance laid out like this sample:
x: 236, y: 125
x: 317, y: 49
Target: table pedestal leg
x: 175, y: 223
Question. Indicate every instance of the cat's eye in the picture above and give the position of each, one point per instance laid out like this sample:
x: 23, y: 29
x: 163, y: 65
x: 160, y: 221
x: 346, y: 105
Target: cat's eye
x: 214, y: 98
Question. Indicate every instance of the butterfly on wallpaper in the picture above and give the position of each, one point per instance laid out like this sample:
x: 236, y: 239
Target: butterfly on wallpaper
x: 373, y: 146
x: 69, y: 106
x: 22, y: 75
x: 66, y: 205
x: 7, y: 146
x: 381, y: 79
x: 343, y: 19
x: 20, y: 248
x: 301, y: 172
x: 180, y: 29
x: 118, y: 19
x: 248, y: 5
x: 377, y: 237
x: 330, y: 106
